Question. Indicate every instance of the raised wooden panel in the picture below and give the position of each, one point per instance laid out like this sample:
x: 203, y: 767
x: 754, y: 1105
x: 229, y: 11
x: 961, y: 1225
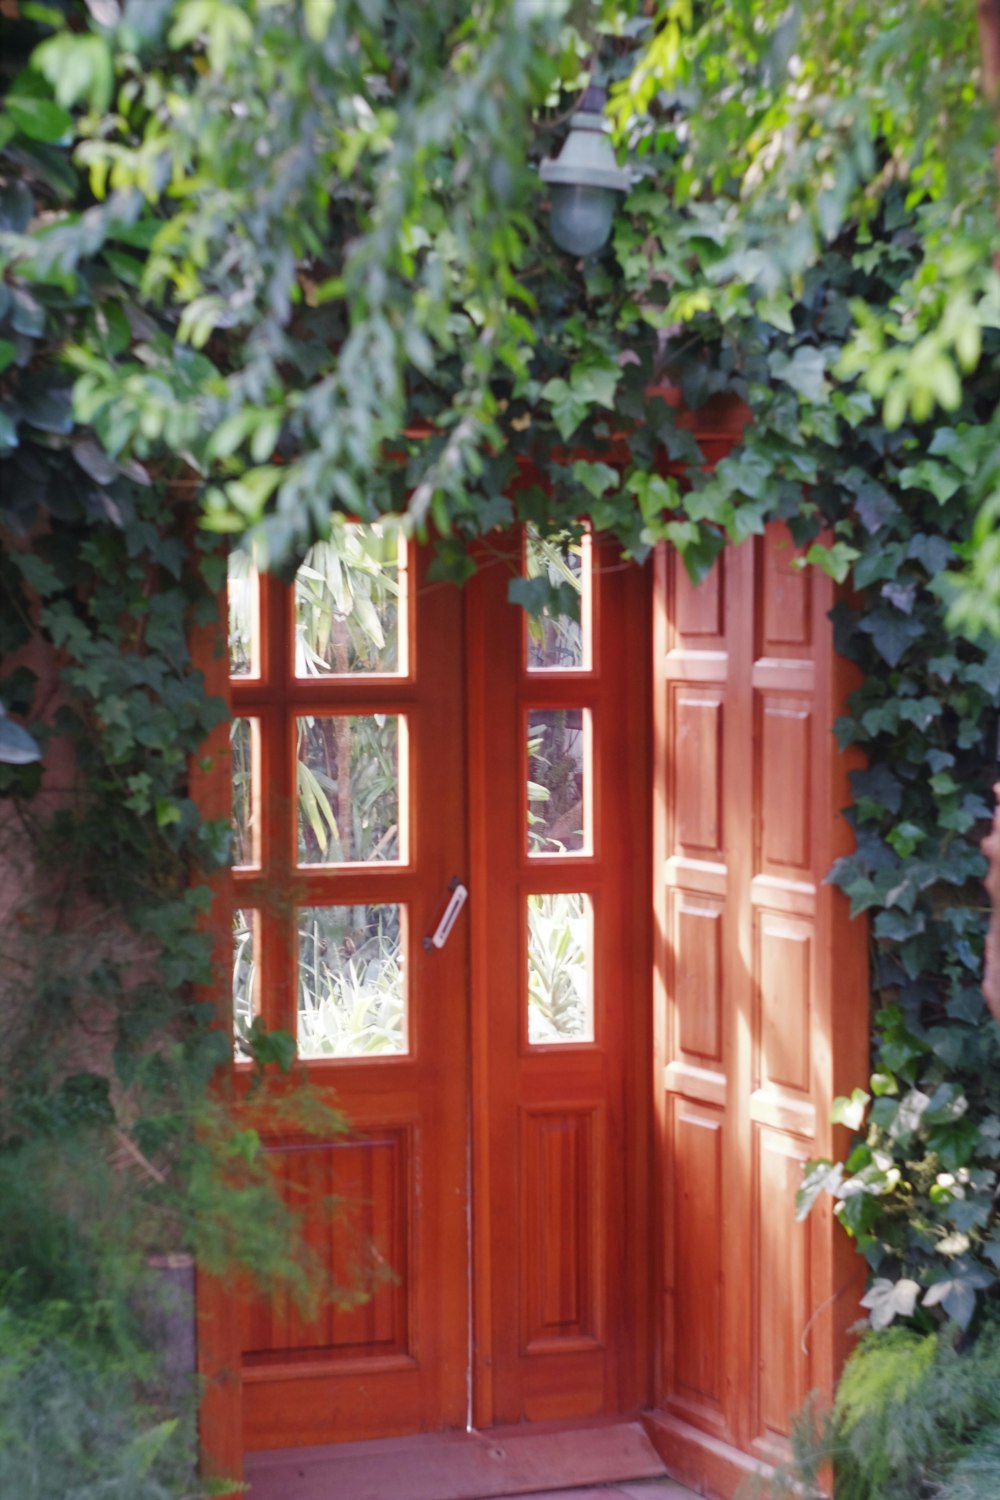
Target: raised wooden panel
x: 699, y: 610
x: 761, y: 1007
x: 365, y: 1243
x: 785, y: 810
x: 697, y: 766
x: 786, y: 594
x: 781, y: 1281
x: 696, y: 1273
x: 696, y: 968
x: 784, y: 999
x: 561, y: 1208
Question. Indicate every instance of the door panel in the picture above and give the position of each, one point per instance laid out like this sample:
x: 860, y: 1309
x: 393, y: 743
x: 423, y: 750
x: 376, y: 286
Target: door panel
x: 760, y: 1002
x: 350, y: 869
x: 559, y: 1123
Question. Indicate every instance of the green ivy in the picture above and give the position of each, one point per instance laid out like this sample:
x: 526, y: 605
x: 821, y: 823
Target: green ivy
x: 289, y: 258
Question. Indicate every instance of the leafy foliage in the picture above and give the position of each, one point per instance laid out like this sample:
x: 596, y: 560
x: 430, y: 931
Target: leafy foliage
x: 74, y: 1420
x: 915, y: 1415
x: 286, y: 258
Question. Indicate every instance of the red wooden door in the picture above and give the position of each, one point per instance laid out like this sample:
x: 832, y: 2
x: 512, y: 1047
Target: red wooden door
x: 760, y: 1004
x: 560, y: 994
x: 347, y: 703
x: 368, y: 774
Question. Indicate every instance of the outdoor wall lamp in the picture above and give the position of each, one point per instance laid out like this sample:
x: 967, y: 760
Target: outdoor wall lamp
x: 585, y: 180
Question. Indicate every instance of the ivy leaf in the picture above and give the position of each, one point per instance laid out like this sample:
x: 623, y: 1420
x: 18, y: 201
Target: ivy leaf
x: 933, y: 552
x: 892, y: 633
x: 850, y: 1111
x: 596, y: 479
x: 902, y: 595
x: 834, y: 561
x: 875, y: 507
x: 908, y: 1117
x: 887, y: 1300
x: 568, y: 409
x: 879, y: 787
x: 947, y: 1104
x: 533, y: 594
x: 941, y: 480
x: 805, y: 372
x: 819, y: 1177
x: 957, y: 1293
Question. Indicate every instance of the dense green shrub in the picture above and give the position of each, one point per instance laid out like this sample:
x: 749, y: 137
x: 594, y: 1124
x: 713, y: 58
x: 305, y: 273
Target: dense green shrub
x: 917, y: 1417
x: 74, y: 1421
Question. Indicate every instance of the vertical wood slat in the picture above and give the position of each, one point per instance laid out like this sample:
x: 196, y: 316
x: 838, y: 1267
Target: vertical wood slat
x: 788, y: 980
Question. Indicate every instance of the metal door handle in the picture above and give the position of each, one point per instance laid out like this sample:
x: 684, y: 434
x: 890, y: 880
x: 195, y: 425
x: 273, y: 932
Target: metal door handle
x: 441, y: 933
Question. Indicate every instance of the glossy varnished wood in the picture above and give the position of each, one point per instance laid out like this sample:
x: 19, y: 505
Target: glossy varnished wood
x: 760, y: 1004
x: 561, y: 1270
x: 395, y: 1362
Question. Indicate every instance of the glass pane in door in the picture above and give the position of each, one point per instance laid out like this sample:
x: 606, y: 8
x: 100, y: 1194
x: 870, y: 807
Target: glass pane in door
x: 350, y: 603
x: 348, y: 788
x: 558, y: 781
x: 352, y: 991
x: 558, y: 639
x: 560, y: 969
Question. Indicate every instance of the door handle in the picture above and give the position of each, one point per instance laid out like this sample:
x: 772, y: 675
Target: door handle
x: 442, y: 932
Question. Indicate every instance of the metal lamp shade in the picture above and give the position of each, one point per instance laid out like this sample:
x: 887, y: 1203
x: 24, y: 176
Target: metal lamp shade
x: 585, y: 181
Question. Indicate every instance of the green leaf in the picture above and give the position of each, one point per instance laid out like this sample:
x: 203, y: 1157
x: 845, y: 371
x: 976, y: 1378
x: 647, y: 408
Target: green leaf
x: 532, y: 594
x: 940, y: 479
x: 78, y: 67
x: 41, y: 119
x: 893, y: 633
x: 805, y: 372
x: 834, y: 561
x: 568, y: 408
x: 957, y: 1293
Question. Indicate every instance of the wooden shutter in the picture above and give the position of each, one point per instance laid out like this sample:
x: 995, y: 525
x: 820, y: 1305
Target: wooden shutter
x: 760, y: 1004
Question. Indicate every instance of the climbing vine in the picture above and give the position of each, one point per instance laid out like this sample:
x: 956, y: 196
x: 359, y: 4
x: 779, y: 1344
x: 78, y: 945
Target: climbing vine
x: 285, y: 259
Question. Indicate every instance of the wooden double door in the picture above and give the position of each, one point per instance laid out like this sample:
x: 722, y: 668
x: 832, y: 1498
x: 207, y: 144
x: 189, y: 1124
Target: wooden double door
x: 397, y: 741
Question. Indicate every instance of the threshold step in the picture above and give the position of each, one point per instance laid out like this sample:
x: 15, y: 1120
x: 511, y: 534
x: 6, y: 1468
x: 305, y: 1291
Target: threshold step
x: 467, y: 1466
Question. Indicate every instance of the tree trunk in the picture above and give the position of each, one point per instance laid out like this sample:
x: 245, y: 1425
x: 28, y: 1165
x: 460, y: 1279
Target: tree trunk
x: 991, y: 971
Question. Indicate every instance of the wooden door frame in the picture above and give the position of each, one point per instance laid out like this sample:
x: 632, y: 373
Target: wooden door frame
x: 692, y: 1455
